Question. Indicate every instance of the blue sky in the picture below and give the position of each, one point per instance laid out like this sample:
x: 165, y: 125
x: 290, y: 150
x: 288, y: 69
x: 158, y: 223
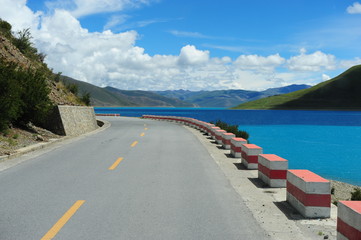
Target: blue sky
x: 195, y: 45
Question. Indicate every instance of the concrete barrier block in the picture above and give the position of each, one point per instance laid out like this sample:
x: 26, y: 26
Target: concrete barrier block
x: 213, y: 132
x: 236, y: 147
x: 349, y: 220
x: 209, y: 128
x: 226, y: 140
x: 250, y: 154
x: 219, y: 135
x: 272, y: 170
x: 309, y: 193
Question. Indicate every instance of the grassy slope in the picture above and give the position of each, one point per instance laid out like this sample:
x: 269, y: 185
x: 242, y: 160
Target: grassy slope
x: 145, y: 98
x: 99, y: 96
x: 341, y: 92
x: 114, y: 97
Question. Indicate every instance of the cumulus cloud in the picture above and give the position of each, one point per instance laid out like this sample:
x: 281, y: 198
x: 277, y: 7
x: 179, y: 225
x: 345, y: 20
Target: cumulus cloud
x: 312, y: 62
x: 256, y: 62
x: 355, y: 8
x: 114, y: 59
x: 189, y: 55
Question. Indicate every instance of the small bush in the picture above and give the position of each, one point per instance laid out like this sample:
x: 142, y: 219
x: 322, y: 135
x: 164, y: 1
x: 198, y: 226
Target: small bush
x: 86, y: 99
x: 356, y: 194
x: 23, y: 95
x: 72, y: 88
x: 5, y: 28
x: 232, y: 129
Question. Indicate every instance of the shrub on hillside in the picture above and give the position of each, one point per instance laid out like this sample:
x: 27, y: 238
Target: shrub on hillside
x: 5, y: 28
x: 23, y: 95
x: 86, y: 99
x: 10, y: 95
x: 356, y: 194
x: 232, y: 129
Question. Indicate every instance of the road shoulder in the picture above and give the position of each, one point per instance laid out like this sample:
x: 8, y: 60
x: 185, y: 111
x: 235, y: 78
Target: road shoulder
x: 31, y: 151
x: 268, y: 205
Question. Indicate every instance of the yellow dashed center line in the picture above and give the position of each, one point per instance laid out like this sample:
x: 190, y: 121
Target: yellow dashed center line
x: 142, y: 134
x: 115, y: 164
x: 62, y: 221
x: 134, y: 143
x: 145, y: 129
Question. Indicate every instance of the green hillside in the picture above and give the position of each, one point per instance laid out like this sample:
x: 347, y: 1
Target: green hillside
x: 99, y: 96
x: 109, y: 96
x: 341, y: 92
x: 149, y: 99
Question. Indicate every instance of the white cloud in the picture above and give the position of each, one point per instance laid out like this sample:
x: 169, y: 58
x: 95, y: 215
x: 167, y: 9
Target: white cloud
x: 113, y: 59
x: 311, y: 62
x: 325, y: 77
x: 355, y: 8
x: 189, y: 55
x: 81, y: 8
x: 349, y: 63
x: 188, y: 34
x: 261, y: 63
x: 115, y: 21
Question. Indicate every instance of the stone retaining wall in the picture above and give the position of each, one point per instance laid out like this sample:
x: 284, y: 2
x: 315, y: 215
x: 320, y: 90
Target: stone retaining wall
x: 72, y: 120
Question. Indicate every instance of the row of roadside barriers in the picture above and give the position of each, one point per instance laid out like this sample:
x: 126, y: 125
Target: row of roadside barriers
x: 108, y: 114
x: 307, y: 192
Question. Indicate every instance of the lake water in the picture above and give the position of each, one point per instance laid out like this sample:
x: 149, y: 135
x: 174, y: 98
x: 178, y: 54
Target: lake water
x: 325, y: 142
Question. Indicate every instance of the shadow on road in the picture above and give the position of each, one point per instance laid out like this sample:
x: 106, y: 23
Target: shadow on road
x: 258, y: 183
x: 288, y: 210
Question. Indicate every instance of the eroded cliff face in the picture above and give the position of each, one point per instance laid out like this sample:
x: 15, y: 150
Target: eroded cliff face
x: 59, y: 95
x: 10, y: 53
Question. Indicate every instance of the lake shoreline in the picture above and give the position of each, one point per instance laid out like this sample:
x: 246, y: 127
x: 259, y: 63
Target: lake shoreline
x: 342, y: 190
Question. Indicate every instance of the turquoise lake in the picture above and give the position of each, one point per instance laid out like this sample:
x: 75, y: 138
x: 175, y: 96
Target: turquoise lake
x: 325, y: 142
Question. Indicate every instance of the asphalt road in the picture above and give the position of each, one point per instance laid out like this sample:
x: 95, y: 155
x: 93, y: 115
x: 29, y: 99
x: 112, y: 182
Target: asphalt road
x: 138, y: 179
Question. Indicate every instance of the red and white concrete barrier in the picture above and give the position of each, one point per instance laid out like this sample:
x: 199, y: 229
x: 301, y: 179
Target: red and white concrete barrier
x: 236, y: 147
x: 218, y: 135
x: 309, y: 193
x: 272, y: 170
x: 226, y: 140
x: 213, y: 132
x: 250, y: 154
x: 349, y: 220
x: 108, y: 114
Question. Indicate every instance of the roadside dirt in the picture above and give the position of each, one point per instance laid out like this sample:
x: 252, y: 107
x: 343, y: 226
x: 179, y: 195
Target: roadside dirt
x: 16, y: 138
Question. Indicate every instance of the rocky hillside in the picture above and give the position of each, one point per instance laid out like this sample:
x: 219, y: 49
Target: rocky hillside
x: 59, y: 94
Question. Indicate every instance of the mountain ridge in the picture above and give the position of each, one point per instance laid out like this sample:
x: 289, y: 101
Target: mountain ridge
x: 227, y: 98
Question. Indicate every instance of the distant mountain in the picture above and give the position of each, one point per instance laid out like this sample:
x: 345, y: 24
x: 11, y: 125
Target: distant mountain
x: 150, y: 99
x: 227, y: 98
x: 109, y: 96
x: 339, y: 93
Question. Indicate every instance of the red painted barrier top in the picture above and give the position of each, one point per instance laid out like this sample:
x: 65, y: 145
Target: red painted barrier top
x: 254, y: 146
x: 239, y: 139
x: 228, y: 134
x: 354, y: 205
x: 273, y: 157
x: 308, y: 176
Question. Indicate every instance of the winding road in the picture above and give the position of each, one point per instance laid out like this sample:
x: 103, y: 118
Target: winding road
x: 138, y: 179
